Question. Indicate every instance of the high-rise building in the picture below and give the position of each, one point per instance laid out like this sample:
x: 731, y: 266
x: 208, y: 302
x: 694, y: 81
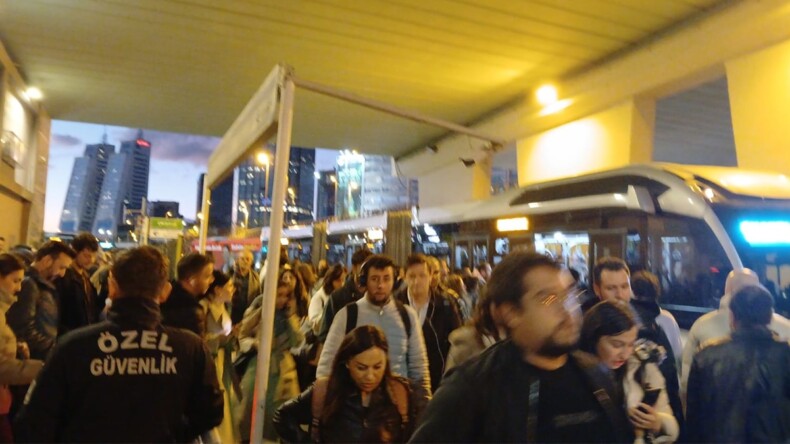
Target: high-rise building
x: 82, y: 197
x: 368, y: 185
x: 112, y: 201
x: 325, y: 194
x: 253, y: 187
x: 139, y: 151
x: 221, y: 211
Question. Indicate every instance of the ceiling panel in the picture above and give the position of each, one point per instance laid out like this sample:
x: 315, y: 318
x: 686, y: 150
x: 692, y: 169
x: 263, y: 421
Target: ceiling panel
x: 192, y: 65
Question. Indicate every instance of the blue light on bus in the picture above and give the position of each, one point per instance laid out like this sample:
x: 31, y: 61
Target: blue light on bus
x: 764, y: 233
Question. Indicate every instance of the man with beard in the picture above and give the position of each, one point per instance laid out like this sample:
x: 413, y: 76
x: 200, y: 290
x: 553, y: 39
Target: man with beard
x: 531, y: 387
x: 400, y: 324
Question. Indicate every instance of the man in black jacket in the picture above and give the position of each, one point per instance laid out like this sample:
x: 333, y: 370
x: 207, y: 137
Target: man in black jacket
x: 34, y: 316
x: 530, y: 388
x: 739, y: 387
x: 344, y: 295
x: 78, y: 301
x: 195, y: 273
x: 437, y: 313
x: 127, y: 379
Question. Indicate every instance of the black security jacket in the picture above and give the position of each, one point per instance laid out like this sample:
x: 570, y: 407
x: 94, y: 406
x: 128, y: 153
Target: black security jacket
x: 128, y: 379
x: 739, y: 390
x: 479, y: 401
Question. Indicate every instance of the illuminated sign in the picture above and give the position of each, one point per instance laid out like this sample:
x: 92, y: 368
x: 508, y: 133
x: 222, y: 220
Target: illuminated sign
x: 143, y: 143
x: 764, y: 233
x: 512, y: 224
x: 375, y: 234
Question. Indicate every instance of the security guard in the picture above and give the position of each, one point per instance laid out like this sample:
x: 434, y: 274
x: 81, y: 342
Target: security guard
x: 130, y: 378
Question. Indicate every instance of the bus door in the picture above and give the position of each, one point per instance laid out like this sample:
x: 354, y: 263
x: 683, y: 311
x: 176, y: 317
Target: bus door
x: 469, y: 251
x: 606, y: 243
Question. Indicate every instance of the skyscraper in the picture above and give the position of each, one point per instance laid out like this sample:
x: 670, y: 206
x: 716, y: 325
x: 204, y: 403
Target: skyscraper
x: 368, y: 185
x: 139, y: 152
x: 82, y: 197
x: 325, y: 194
x: 221, y: 211
x: 253, y: 188
x: 111, y: 199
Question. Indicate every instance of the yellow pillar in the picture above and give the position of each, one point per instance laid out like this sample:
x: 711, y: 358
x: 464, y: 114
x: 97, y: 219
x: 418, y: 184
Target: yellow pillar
x: 615, y: 137
x: 759, y: 90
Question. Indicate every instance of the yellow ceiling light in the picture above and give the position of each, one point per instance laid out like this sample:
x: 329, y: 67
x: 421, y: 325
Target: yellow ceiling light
x: 512, y: 224
x: 34, y: 93
x: 547, y: 95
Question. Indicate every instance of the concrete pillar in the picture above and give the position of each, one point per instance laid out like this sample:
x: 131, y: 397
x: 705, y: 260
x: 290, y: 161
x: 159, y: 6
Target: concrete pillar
x: 759, y: 93
x: 618, y: 136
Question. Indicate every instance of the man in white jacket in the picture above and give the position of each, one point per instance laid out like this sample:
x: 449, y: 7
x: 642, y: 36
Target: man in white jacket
x: 716, y: 324
x: 407, y: 354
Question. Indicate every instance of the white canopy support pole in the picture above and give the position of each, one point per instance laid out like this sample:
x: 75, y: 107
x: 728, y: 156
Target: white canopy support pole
x: 204, y: 212
x: 394, y: 110
x: 266, y: 332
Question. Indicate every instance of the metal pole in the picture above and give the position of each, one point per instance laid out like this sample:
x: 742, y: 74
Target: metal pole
x: 275, y: 233
x: 401, y: 112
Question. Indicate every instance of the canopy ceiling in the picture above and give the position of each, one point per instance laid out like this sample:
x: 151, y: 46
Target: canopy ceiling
x: 192, y: 65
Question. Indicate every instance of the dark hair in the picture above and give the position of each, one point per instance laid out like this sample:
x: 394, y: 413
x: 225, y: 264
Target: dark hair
x: 85, y: 241
x: 360, y: 256
x: 608, y: 263
x: 331, y: 275
x: 752, y: 306
x: 482, y: 320
x: 302, y: 302
x: 506, y: 284
x: 417, y: 259
x: 305, y: 271
x: 644, y: 286
x: 340, y: 384
x: 191, y: 265
x: 220, y: 279
x: 377, y: 261
x: 54, y: 249
x: 141, y: 272
x: 10, y: 263
x: 604, y: 319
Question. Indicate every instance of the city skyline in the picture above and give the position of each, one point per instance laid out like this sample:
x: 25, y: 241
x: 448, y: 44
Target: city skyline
x: 177, y: 160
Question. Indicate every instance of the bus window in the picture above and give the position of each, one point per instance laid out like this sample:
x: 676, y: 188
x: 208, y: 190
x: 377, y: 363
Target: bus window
x: 690, y: 264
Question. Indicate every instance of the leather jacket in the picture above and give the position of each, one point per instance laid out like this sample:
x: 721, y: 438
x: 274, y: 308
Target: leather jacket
x: 379, y: 422
x: 493, y: 398
x: 739, y: 390
x: 34, y: 316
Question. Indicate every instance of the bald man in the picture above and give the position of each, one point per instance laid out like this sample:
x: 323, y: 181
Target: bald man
x: 716, y: 324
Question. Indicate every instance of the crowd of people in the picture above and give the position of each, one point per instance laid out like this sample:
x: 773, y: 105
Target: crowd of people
x: 381, y: 352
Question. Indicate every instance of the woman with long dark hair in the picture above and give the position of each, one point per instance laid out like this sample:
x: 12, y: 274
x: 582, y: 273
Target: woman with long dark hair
x: 283, y: 381
x: 221, y: 340
x: 12, y: 370
x: 361, y: 401
x: 333, y: 279
x: 610, y: 332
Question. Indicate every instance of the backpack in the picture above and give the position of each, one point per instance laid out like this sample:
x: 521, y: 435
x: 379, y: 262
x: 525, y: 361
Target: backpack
x: 352, y: 311
x: 397, y: 389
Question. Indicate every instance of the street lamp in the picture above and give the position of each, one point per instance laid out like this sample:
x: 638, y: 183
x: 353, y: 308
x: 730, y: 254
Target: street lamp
x: 243, y: 209
x: 264, y: 160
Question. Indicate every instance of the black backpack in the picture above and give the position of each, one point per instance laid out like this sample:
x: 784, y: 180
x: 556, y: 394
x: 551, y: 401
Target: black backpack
x: 351, y: 317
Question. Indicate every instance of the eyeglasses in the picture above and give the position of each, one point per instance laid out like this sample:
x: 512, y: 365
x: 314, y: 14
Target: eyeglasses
x: 569, y: 298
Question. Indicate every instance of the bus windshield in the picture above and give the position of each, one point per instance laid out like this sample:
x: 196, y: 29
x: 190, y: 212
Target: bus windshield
x: 761, y: 235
